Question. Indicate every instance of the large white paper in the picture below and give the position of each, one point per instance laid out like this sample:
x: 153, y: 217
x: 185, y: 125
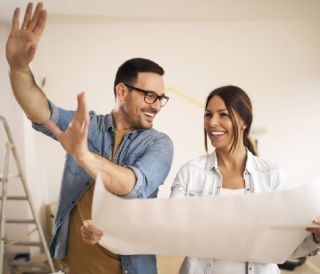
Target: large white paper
x: 262, y: 227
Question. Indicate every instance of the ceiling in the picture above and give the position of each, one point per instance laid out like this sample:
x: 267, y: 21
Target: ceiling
x: 174, y: 10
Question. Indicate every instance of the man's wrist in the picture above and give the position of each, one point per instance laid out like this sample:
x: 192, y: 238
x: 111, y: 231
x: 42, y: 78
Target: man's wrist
x: 83, y: 157
x: 19, y: 70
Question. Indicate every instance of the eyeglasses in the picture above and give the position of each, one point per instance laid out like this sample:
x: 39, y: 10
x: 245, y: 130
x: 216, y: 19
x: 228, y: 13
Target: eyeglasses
x: 150, y: 97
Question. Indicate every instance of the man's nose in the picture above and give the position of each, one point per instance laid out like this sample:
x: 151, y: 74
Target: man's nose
x: 156, y: 105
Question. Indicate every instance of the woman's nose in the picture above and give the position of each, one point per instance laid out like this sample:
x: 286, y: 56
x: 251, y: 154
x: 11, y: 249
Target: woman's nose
x: 214, y: 120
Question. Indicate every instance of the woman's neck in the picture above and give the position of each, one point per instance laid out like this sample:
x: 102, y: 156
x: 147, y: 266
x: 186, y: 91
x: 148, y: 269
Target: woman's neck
x: 235, y: 159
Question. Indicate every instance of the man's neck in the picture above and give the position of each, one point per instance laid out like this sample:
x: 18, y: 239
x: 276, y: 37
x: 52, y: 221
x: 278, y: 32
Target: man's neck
x: 119, y: 122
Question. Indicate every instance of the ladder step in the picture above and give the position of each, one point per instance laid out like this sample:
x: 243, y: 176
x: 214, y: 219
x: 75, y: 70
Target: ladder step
x: 20, y: 221
x: 10, y: 176
x: 16, y: 198
x: 10, y: 145
x: 28, y: 264
x: 25, y: 243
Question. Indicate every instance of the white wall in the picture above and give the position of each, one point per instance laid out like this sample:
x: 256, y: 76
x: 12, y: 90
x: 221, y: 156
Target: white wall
x: 276, y: 62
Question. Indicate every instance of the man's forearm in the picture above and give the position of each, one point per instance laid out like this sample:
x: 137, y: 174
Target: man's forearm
x: 29, y: 96
x: 117, y: 179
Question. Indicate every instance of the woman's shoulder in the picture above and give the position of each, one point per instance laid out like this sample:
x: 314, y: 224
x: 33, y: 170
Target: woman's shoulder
x: 259, y: 164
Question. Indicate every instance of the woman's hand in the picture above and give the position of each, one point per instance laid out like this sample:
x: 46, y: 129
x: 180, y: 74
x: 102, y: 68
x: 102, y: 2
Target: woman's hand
x: 315, y: 230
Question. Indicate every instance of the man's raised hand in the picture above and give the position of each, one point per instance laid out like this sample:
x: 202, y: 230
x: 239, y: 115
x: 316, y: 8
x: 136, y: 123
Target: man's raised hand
x: 23, y: 40
x: 74, y: 138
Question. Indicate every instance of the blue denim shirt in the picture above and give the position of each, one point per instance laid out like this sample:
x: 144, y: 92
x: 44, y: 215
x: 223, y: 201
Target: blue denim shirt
x: 147, y: 152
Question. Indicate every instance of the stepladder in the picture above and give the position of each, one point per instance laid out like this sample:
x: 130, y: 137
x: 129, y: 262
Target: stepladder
x: 34, y: 231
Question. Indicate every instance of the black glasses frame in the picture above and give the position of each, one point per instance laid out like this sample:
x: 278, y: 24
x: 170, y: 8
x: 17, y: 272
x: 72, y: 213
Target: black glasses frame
x: 163, y: 99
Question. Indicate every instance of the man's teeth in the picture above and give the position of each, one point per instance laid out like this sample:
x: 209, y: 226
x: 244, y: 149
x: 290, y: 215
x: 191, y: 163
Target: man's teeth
x: 149, y: 114
x: 217, y: 133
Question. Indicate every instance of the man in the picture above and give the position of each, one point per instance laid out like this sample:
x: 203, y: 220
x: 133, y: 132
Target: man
x: 133, y: 158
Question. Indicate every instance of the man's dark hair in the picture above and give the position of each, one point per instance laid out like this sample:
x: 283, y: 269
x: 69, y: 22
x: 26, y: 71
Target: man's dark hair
x: 128, y: 72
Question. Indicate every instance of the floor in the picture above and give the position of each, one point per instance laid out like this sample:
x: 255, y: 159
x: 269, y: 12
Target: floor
x: 170, y: 265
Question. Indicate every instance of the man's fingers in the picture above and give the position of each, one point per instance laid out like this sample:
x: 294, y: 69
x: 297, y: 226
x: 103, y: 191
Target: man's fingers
x: 82, y: 116
x: 89, y: 233
x: 15, y: 20
x: 88, y: 241
x: 92, y: 230
x: 82, y: 105
x: 35, y: 17
x: 84, y: 129
x: 27, y: 16
x: 87, y: 225
x: 90, y: 236
x: 39, y: 28
x: 54, y: 129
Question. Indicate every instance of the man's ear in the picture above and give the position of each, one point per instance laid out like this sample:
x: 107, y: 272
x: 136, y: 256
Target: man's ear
x: 121, y: 91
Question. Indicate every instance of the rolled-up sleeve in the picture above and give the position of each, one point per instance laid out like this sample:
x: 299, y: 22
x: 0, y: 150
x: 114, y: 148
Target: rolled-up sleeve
x: 152, y: 168
x: 179, y: 185
x: 59, y: 116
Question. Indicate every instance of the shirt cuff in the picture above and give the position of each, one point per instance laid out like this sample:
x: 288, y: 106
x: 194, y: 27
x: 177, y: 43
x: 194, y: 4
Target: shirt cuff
x: 136, y: 192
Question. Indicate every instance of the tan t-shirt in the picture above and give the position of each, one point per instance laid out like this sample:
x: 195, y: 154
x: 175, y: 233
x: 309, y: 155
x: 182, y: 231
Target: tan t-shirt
x: 84, y: 258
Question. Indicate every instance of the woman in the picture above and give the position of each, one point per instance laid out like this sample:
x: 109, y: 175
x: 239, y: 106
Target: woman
x: 234, y: 169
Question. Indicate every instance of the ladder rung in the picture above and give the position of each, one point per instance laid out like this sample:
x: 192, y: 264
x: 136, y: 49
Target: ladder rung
x: 26, y: 243
x: 16, y: 198
x: 20, y: 221
x: 23, y: 263
x: 10, y: 176
x: 10, y: 145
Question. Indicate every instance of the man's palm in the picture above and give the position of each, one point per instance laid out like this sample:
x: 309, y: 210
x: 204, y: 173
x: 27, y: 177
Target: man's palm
x: 22, y: 41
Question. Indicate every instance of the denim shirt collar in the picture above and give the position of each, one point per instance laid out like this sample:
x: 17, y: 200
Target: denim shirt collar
x: 109, y: 126
x: 108, y: 122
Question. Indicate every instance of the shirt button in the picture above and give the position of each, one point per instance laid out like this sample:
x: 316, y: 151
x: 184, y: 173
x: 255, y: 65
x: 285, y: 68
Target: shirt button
x: 126, y: 271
